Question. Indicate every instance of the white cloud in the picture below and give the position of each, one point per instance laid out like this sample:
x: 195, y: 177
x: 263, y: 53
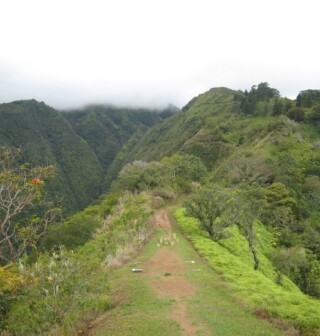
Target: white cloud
x: 154, y: 52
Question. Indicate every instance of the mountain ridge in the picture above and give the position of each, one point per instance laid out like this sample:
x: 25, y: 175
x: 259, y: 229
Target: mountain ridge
x: 47, y: 136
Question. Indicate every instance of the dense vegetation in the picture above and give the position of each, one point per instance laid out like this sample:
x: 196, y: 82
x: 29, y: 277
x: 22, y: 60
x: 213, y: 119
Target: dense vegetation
x: 244, y: 164
x: 46, y: 138
x: 108, y: 129
x: 230, y: 257
x: 255, y: 143
x: 80, y: 144
x: 64, y: 289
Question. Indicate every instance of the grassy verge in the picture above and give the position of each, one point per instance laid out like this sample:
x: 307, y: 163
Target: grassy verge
x: 231, y: 259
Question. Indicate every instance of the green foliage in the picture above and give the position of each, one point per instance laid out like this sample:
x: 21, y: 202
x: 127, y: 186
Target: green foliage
x: 301, y: 266
x: 248, y: 207
x: 46, y: 138
x: 282, y: 208
x: 140, y: 175
x: 172, y: 135
x: 230, y: 258
x: 296, y: 114
x: 107, y: 129
x: 64, y: 287
x: 176, y: 172
x: 252, y: 99
x: 63, y: 290
x: 24, y: 212
x: 314, y: 115
x: 81, y: 144
x: 125, y: 229
x: 264, y: 92
x: 79, y: 228
x: 183, y: 169
x: 308, y: 97
x: 11, y: 284
x: 277, y: 194
x: 209, y: 206
x: 278, y: 107
x: 248, y: 168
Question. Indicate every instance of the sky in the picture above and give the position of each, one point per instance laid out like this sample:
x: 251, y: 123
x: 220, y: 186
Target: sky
x: 152, y: 53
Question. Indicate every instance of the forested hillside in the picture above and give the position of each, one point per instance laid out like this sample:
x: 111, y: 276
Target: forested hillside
x: 81, y: 144
x: 108, y: 129
x: 46, y: 138
x: 184, y: 131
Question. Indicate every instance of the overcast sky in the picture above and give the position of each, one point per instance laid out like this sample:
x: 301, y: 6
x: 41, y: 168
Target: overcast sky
x: 154, y: 52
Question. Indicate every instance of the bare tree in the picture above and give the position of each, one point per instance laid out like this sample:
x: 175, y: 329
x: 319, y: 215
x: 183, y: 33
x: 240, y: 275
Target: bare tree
x: 21, y: 189
x: 249, y: 169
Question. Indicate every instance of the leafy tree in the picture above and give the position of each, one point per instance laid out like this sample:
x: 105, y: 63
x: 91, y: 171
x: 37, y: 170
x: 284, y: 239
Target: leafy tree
x: 277, y: 194
x: 140, y: 175
x: 281, y: 204
x: 315, y: 114
x: 248, y: 207
x: 209, y: 206
x: 307, y: 98
x: 261, y: 92
x: 183, y: 169
x: 288, y: 261
x: 24, y: 212
x: 296, y: 114
x: 248, y: 105
x: 264, y: 92
x: 278, y: 107
x: 177, y: 171
x: 288, y: 104
x: 249, y: 169
x: 281, y: 212
x: 300, y: 265
x: 311, y: 192
x: 311, y: 237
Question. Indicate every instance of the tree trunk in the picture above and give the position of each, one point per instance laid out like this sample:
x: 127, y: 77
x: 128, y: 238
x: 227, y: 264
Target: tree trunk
x: 255, y: 258
x: 252, y: 248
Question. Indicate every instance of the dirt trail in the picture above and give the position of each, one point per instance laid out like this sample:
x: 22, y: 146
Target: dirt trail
x: 165, y: 272
x: 173, y: 296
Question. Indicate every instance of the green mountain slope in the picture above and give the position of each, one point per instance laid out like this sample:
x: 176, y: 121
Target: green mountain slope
x: 45, y: 137
x: 108, y: 129
x: 183, y: 132
x: 81, y: 143
x: 256, y: 143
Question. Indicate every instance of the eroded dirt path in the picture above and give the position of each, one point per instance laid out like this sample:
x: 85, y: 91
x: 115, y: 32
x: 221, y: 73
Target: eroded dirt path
x: 165, y: 272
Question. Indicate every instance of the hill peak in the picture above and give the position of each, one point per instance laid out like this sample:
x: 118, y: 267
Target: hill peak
x: 210, y: 96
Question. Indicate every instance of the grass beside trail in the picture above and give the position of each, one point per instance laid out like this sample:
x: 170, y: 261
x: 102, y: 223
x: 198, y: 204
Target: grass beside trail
x: 231, y: 258
x: 214, y: 306
x: 139, y: 311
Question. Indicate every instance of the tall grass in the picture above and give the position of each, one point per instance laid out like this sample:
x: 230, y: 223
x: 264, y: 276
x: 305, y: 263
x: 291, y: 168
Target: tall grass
x: 65, y: 289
